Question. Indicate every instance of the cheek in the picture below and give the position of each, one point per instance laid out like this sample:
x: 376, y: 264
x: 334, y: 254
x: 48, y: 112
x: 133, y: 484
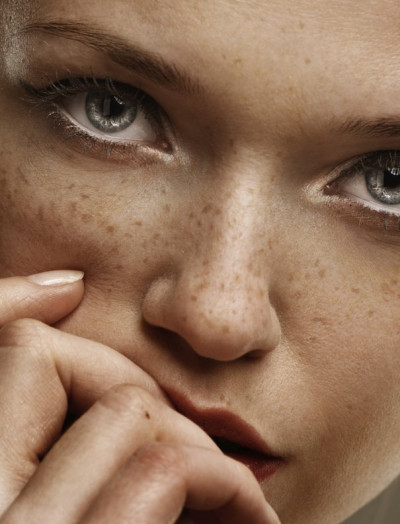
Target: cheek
x: 62, y: 222
x: 341, y: 323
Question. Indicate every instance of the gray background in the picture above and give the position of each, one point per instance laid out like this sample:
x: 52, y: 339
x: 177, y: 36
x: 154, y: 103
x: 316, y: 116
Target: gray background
x: 385, y: 509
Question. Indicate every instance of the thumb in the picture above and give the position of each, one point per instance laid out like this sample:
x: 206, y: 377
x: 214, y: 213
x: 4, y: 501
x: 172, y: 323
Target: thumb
x: 47, y: 297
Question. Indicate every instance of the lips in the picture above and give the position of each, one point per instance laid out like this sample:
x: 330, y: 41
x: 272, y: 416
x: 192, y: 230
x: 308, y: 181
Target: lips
x: 235, y: 437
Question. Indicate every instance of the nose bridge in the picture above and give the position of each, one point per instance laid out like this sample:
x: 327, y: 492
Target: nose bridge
x: 231, y: 249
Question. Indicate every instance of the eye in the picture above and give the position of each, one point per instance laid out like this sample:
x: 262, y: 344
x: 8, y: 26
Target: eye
x: 106, y: 118
x: 374, y: 180
x: 118, y: 116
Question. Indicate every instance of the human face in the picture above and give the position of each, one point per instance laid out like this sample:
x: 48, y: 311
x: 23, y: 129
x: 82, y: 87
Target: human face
x: 225, y: 250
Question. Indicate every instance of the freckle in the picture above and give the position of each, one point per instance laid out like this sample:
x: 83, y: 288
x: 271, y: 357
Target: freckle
x: 206, y: 209
x: 193, y: 298
x: 128, y: 235
x: 71, y: 186
x: 270, y: 244
x: 307, y: 61
x: 322, y: 273
x: 138, y: 223
x: 355, y: 290
x: 199, y: 223
x: 191, y: 216
x: 86, y: 218
x: 156, y: 236
x: 167, y: 208
x: 237, y: 61
x: 225, y: 329
x: 222, y: 397
x: 147, y: 415
x: 222, y: 287
x: 301, y: 25
x: 72, y: 207
x: 84, y: 197
x: 307, y: 276
x: 200, y: 286
x: 371, y: 313
x: 237, y: 277
x: 394, y: 282
x: 290, y: 277
x: 317, y: 262
x: 110, y: 229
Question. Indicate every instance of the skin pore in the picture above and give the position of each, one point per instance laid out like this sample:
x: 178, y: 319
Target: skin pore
x: 227, y: 250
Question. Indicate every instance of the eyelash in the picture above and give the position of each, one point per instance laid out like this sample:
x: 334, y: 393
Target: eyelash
x: 136, y: 152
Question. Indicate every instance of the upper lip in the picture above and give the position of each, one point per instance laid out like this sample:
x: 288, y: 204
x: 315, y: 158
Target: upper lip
x: 222, y: 424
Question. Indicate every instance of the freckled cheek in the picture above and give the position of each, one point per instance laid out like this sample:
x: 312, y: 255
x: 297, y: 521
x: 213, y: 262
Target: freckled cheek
x: 75, y: 227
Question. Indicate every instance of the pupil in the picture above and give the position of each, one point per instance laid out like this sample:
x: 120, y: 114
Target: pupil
x: 391, y: 178
x: 113, y: 107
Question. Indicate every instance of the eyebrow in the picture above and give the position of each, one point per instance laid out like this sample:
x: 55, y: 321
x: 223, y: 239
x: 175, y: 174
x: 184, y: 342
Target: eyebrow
x: 149, y: 65
x: 373, y: 128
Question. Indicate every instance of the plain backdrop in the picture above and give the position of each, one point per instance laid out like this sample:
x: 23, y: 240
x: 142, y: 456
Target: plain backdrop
x: 385, y: 509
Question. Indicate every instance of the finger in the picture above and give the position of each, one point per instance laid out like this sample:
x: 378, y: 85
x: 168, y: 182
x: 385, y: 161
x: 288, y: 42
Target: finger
x: 161, y: 479
x: 42, y: 370
x: 84, y: 460
x: 46, y: 296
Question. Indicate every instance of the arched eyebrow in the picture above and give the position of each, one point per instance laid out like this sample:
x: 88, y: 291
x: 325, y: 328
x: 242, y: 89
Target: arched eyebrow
x: 385, y: 127
x: 131, y: 56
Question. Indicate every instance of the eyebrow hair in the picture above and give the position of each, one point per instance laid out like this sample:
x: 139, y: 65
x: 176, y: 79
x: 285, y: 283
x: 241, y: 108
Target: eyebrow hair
x: 385, y: 127
x: 130, y: 56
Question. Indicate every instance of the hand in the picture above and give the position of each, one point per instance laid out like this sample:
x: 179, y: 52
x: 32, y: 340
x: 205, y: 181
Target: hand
x: 128, y: 458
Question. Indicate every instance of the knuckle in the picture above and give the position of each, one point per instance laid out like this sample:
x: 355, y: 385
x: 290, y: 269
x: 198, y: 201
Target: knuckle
x: 22, y: 333
x: 128, y: 400
x: 26, y: 342
x: 165, y: 460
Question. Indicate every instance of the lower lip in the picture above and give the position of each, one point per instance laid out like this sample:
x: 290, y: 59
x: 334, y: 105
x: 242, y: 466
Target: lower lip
x: 262, y: 467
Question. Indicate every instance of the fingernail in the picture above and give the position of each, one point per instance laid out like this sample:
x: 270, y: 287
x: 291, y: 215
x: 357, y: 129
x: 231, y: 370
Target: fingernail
x: 56, y: 278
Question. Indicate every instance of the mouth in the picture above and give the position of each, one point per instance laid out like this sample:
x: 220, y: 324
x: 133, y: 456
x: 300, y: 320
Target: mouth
x: 261, y: 464
x: 234, y: 437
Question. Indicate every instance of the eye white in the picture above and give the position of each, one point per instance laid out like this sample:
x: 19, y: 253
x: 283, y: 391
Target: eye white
x: 355, y: 187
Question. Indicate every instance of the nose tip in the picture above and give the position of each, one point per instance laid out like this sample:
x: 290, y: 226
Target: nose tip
x: 222, y: 321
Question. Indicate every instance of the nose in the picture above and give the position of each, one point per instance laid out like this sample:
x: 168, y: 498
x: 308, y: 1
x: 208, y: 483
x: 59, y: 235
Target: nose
x: 219, y: 300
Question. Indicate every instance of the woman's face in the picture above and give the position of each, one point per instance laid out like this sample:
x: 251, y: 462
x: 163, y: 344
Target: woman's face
x: 239, y: 226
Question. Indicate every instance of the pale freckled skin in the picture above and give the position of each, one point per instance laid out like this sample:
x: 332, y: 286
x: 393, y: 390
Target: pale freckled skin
x: 221, y: 249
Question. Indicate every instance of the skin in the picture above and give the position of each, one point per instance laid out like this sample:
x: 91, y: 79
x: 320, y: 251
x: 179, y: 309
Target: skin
x: 223, y: 273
